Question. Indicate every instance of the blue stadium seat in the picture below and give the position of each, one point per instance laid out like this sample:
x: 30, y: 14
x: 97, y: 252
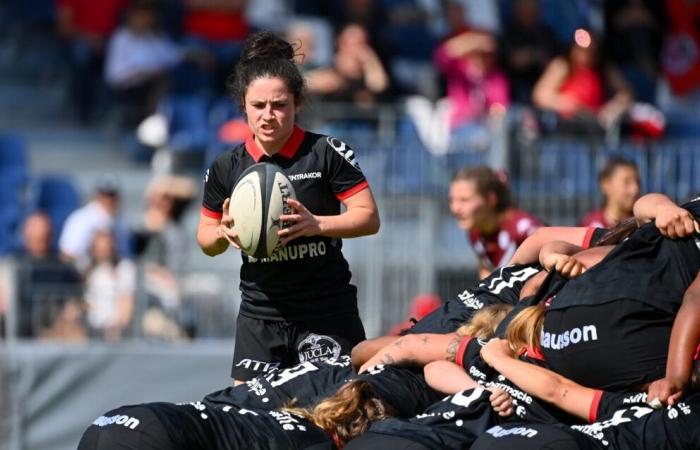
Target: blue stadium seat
x: 187, y: 117
x: 13, y: 161
x: 57, y: 196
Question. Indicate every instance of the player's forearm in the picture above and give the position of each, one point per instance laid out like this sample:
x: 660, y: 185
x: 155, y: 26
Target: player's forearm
x: 417, y: 349
x: 355, y: 222
x: 529, y: 250
x: 447, y: 377
x: 546, y: 385
x: 645, y: 208
x: 210, y: 242
x: 685, y: 336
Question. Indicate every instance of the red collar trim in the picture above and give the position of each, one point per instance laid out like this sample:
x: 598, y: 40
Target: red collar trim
x: 336, y: 441
x: 697, y: 353
x: 531, y: 352
x: 288, y: 150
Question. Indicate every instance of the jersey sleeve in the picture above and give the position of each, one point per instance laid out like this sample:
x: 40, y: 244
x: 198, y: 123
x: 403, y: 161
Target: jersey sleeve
x: 605, y: 403
x: 592, y: 236
x: 693, y: 206
x: 344, y: 174
x: 215, y: 189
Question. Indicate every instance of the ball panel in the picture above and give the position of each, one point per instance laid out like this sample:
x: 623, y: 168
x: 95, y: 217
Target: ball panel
x: 280, y: 190
x: 246, y: 208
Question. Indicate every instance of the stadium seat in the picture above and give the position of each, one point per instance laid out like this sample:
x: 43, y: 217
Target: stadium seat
x: 13, y: 161
x: 187, y: 122
x: 57, y: 196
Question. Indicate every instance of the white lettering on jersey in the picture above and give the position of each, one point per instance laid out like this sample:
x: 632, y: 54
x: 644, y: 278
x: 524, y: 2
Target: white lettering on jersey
x: 470, y: 300
x: 497, y: 284
x: 595, y: 430
x: 343, y: 150
x: 636, y: 398
x: 206, y: 176
x: 291, y: 373
x: 294, y: 252
x: 286, y: 420
x: 128, y: 422
x: 259, y: 366
x: 304, y: 176
x: 498, y: 432
x: 569, y: 337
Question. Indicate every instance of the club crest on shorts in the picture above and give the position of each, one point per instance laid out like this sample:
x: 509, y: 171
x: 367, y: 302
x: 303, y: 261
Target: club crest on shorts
x: 316, y: 347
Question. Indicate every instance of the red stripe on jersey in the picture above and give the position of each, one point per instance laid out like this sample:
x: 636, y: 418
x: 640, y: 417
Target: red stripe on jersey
x: 352, y: 191
x: 213, y: 214
x: 593, y: 411
x: 288, y: 150
x: 697, y: 353
x: 534, y: 353
x: 587, y: 238
x: 461, y: 349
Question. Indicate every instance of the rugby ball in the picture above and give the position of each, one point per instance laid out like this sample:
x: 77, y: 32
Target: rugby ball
x: 258, y: 200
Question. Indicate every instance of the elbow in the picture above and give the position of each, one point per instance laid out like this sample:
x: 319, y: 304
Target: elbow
x: 374, y: 222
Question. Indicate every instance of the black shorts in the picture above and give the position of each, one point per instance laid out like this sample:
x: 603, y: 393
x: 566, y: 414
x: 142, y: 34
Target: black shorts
x: 378, y: 441
x: 262, y: 345
x: 530, y: 436
x: 136, y: 427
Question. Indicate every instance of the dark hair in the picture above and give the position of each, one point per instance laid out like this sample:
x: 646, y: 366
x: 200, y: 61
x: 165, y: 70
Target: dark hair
x: 265, y: 55
x: 618, y: 233
x: 612, y: 165
x: 486, y: 180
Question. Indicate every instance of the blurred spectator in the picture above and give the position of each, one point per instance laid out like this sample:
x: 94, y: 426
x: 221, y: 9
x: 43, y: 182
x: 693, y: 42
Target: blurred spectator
x: 480, y: 200
x: 477, y: 90
x: 634, y: 36
x: 481, y: 15
x: 165, y: 250
x: 219, y: 28
x: 565, y: 17
x: 421, y: 306
x: 681, y: 54
x: 49, y: 291
x: 86, y: 25
x: 138, y: 59
x: 619, y: 185
x: 101, y: 213
x: 357, y: 74
x: 311, y: 39
x: 575, y: 87
x: 109, y: 289
x: 527, y: 46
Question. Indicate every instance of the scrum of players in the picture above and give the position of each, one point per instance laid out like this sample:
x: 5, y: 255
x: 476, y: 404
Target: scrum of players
x: 587, y: 339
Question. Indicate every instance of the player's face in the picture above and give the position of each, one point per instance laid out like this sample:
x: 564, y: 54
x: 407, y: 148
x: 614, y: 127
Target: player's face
x: 466, y: 204
x: 622, y: 189
x: 271, y: 111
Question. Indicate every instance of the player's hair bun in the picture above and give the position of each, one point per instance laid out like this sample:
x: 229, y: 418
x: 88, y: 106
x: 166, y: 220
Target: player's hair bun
x: 265, y: 46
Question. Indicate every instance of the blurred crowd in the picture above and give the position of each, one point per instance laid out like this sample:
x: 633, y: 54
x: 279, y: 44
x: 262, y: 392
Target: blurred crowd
x: 571, y: 66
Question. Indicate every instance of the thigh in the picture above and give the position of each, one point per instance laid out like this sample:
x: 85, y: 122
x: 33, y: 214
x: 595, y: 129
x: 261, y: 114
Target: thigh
x: 261, y: 345
x: 330, y: 337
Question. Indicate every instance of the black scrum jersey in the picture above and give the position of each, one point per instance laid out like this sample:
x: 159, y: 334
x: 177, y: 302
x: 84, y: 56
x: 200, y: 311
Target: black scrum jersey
x: 307, y: 382
x: 624, y: 421
x: 196, y: 426
x: 309, y: 278
x: 402, y: 388
x: 501, y: 287
x: 452, y: 423
x: 618, y: 315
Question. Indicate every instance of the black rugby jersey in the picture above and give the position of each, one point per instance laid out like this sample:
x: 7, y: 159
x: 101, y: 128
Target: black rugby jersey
x: 618, y: 315
x: 533, y: 436
x: 402, y: 388
x: 307, y: 382
x: 501, y: 287
x: 196, y: 426
x: 624, y: 421
x: 452, y: 423
x: 309, y: 278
